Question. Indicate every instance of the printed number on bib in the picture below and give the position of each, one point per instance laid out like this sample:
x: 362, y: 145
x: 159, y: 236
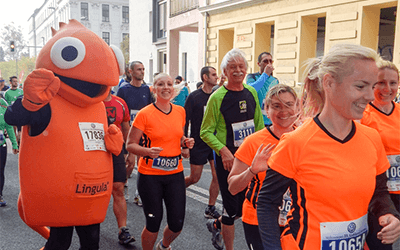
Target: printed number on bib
x: 166, y: 163
x: 393, y: 173
x: 285, y: 208
x: 346, y: 235
x: 133, y: 114
x: 93, y: 136
x: 241, y: 130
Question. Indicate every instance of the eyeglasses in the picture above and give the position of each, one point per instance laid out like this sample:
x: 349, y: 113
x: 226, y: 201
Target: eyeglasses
x: 268, y: 61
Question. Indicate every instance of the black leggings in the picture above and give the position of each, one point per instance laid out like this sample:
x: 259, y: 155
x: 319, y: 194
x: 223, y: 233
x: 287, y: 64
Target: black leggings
x: 153, y: 189
x: 252, y: 235
x: 3, y: 159
x: 232, y: 203
x: 60, y: 237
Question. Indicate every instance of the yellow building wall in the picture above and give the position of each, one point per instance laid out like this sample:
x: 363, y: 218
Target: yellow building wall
x: 295, y: 26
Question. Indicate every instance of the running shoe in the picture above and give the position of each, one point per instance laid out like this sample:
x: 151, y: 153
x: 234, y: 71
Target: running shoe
x: 126, y: 191
x: 124, y: 237
x: 216, y: 239
x: 137, y: 199
x: 211, y: 213
x: 160, y: 247
x: 2, y: 202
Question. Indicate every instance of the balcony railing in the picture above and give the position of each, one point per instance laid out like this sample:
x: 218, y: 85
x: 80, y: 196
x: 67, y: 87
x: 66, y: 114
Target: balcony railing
x: 180, y: 6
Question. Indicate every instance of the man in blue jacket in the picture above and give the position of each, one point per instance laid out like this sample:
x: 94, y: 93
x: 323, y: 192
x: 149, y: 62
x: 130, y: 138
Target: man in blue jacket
x: 263, y: 80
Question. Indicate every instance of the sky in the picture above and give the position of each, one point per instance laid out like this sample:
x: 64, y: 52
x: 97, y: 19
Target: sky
x: 18, y: 11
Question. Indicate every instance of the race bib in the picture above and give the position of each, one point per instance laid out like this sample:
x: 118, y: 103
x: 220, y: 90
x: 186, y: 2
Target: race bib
x: 133, y: 114
x: 344, y: 235
x: 285, y: 208
x: 393, y: 173
x: 166, y: 163
x: 241, y: 130
x: 93, y: 136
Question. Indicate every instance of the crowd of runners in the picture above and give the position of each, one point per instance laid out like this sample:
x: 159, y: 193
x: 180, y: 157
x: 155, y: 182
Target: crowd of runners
x: 311, y: 169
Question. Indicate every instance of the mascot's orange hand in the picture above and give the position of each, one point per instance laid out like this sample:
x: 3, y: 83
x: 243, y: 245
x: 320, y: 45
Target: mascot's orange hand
x: 40, y: 87
x: 114, y: 139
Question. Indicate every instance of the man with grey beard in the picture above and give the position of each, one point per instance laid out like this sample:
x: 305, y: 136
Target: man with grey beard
x: 232, y: 113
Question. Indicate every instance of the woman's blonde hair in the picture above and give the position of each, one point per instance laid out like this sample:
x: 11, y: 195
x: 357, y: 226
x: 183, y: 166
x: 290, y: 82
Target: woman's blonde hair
x: 338, y: 62
x: 276, y: 91
x: 312, y: 93
x: 384, y: 64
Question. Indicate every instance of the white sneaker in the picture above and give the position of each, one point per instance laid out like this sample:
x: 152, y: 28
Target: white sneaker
x: 160, y: 247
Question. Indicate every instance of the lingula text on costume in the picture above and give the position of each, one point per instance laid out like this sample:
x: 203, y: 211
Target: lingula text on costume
x: 91, y: 189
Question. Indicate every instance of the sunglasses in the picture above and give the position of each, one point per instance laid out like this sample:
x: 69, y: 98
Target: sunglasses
x: 268, y: 61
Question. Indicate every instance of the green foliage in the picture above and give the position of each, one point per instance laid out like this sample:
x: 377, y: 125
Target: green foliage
x: 8, y: 69
x: 125, y: 49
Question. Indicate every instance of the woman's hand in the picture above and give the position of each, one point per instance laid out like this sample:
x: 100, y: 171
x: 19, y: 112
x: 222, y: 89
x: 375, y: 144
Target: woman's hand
x: 391, y: 229
x: 188, y: 142
x: 260, y: 161
x: 154, y: 152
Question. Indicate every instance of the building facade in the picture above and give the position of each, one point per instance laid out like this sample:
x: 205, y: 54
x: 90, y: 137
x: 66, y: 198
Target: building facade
x: 109, y: 19
x: 294, y: 31
x: 169, y: 37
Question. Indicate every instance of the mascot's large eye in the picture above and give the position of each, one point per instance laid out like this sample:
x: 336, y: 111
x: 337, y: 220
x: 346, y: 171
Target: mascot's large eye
x: 120, y: 58
x: 67, y: 52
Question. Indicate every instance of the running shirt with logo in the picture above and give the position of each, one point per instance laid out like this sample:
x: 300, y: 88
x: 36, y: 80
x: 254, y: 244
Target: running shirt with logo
x: 11, y: 95
x: 388, y: 126
x: 231, y: 116
x: 333, y: 182
x: 262, y: 83
x: 165, y: 131
x: 135, y: 97
x: 195, y: 107
x: 117, y: 111
x: 246, y: 153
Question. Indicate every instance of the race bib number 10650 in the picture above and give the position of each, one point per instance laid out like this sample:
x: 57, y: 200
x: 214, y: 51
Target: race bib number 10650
x: 344, y: 235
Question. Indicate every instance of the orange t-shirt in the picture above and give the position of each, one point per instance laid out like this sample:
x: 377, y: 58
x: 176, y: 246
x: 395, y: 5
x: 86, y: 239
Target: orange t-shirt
x: 246, y: 153
x: 165, y: 131
x: 334, y: 182
x: 388, y: 127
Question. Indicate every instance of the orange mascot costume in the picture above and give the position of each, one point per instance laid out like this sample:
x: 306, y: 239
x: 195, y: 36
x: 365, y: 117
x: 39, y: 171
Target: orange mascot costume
x: 65, y: 164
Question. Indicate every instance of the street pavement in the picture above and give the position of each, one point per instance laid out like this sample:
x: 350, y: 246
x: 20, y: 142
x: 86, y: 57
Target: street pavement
x: 15, y: 235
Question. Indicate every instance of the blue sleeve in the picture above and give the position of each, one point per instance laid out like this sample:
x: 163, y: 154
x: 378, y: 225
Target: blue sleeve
x: 17, y: 115
x: 257, y: 85
x: 249, y: 78
x: 268, y: 202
